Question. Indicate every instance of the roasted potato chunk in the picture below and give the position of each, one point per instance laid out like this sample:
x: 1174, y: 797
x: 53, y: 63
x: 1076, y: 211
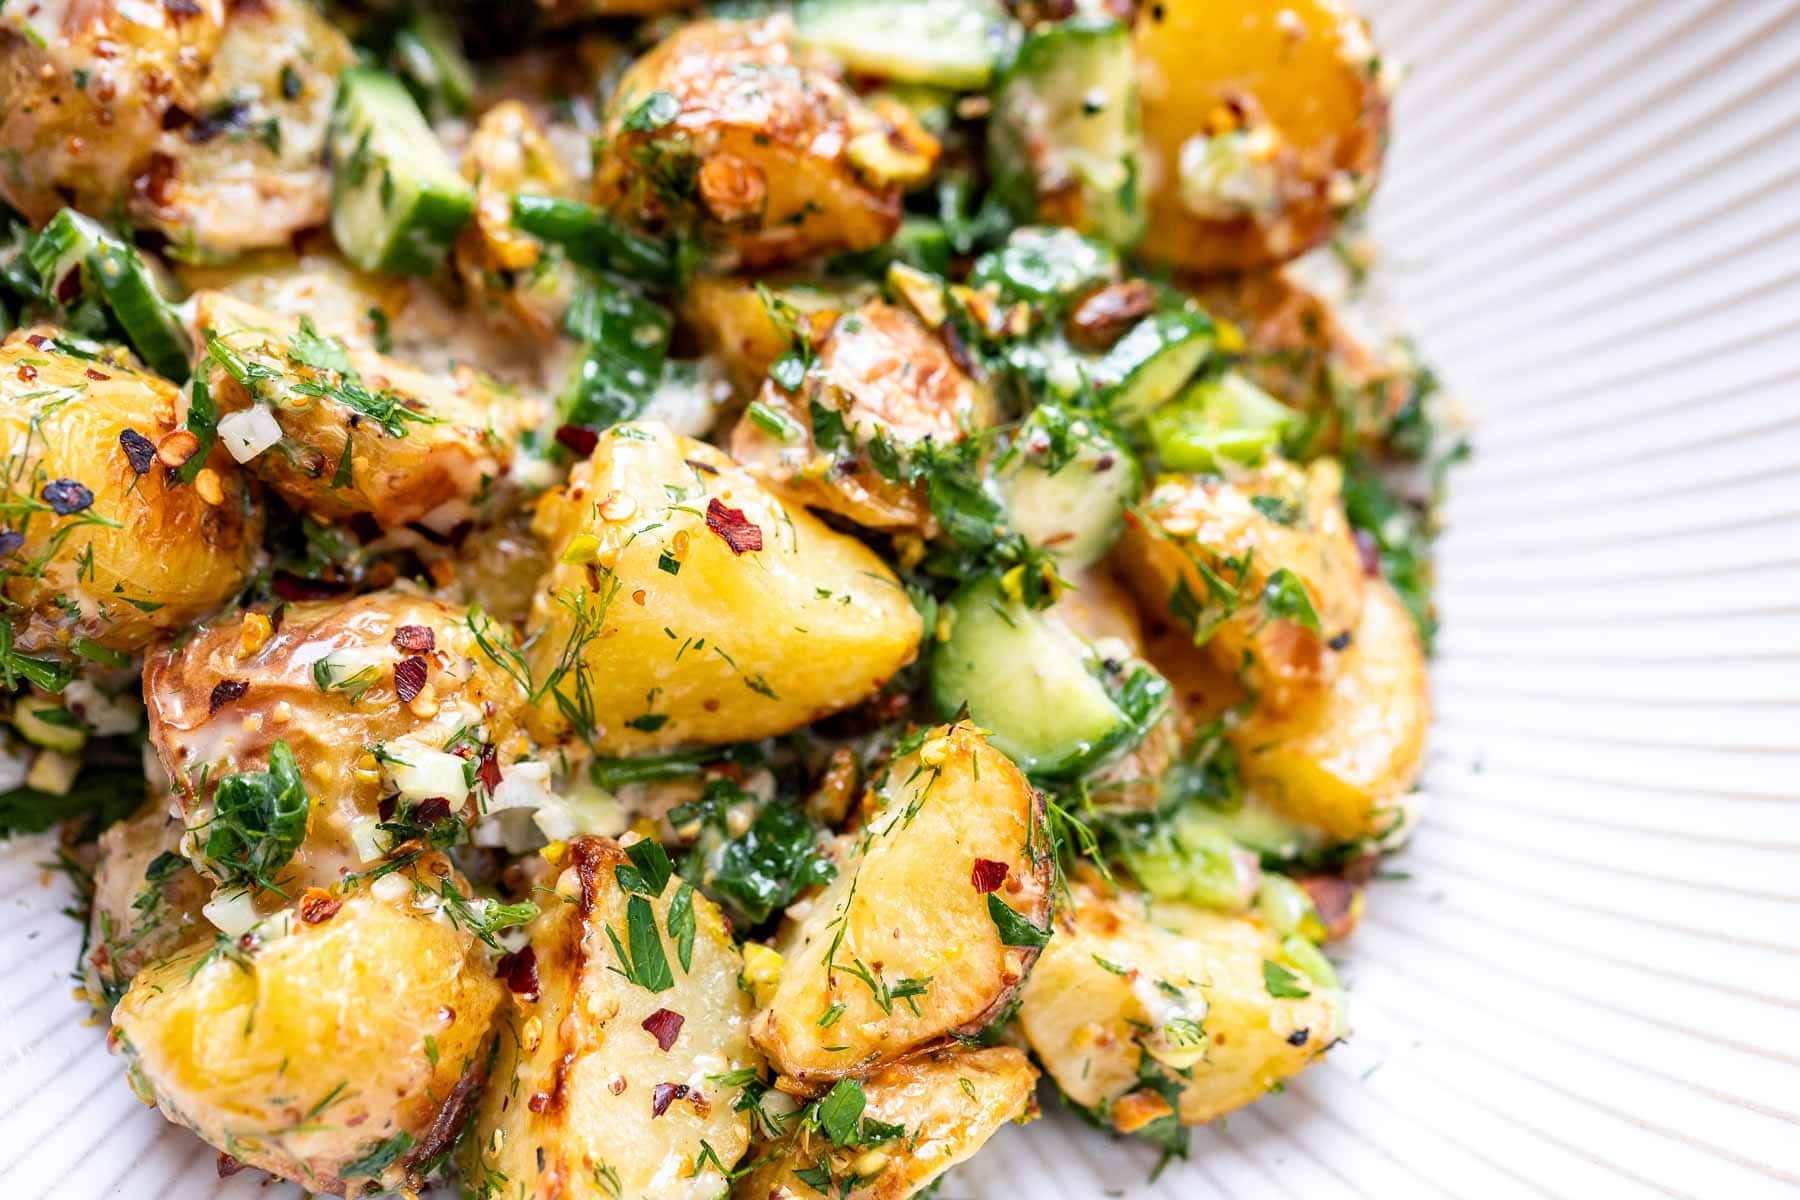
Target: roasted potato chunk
x: 1262, y: 569
x: 1264, y: 122
x: 248, y: 171
x: 146, y: 903
x: 333, y: 683
x: 358, y: 432
x: 690, y: 605
x: 884, y: 376
x: 89, y: 88
x: 92, y: 548
x: 1124, y: 991
x: 1342, y: 762
x: 724, y: 131
x: 735, y: 323
x: 922, y: 934
x: 945, y: 1107
x: 337, y: 1044
x: 607, y: 1080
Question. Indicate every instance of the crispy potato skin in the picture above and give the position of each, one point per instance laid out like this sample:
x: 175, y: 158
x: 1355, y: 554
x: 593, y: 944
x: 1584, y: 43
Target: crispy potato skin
x: 328, y: 733
x: 125, y: 931
x: 446, y: 460
x: 1192, y: 521
x: 1091, y: 1027
x: 245, y: 1049
x: 91, y: 145
x: 886, y: 375
x: 1342, y: 762
x: 61, y: 417
x: 1305, y: 73
x: 576, y: 1074
x: 905, y: 906
x: 950, y: 1103
x: 766, y: 155
x: 782, y: 645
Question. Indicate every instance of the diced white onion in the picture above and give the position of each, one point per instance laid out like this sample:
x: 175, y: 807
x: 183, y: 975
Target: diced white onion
x: 248, y: 432
x: 367, y: 837
x: 231, y: 912
x: 522, y: 785
x: 428, y: 773
x: 102, y: 714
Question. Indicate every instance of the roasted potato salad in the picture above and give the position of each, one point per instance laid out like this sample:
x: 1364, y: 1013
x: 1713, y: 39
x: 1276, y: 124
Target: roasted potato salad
x: 692, y: 595
x: 932, y: 923
x: 626, y: 1045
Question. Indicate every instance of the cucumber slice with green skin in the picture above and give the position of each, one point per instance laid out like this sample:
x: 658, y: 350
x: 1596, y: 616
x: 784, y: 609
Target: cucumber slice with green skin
x: 396, y: 201
x: 625, y: 339
x: 1046, y: 266
x: 1053, y: 706
x: 1065, y: 482
x: 430, y: 55
x: 1215, y: 421
x: 112, y: 273
x: 1153, y: 361
x: 591, y: 238
x: 48, y: 724
x: 1064, y: 141
x: 950, y: 43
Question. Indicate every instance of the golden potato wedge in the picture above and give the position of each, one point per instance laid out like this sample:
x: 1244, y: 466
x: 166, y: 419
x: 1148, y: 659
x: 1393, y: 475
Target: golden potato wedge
x: 885, y: 376
x: 905, y: 947
x: 1268, y: 587
x: 511, y: 276
x: 690, y: 605
x: 128, y: 556
x: 601, y: 1086
x: 1264, y: 122
x: 395, y: 442
x: 145, y: 905
x: 328, y: 682
x: 339, y: 1043
x: 89, y: 88
x: 945, y: 1105
x: 735, y: 324
x: 722, y: 130
x: 248, y: 170
x: 1184, y: 988
x: 1342, y: 762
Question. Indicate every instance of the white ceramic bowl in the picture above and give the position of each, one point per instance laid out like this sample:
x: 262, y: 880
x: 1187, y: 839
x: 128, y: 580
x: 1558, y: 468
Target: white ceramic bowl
x: 1590, y: 985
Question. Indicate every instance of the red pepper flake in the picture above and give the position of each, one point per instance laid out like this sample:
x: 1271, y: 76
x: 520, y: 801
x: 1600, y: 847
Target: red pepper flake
x: 40, y: 341
x: 539, y: 1102
x: 228, y: 1166
x: 66, y: 497
x: 665, y: 1026
x: 519, y: 969
x: 318, y: 906
x: 431, y: 811
x: 739, y: 532
x: 10, y: 540
x: 664, y: 1095
x: 140, y: 451
x: 224, y: 692
x: 409, y: 678
x: 578, y: 438
x: 26, y: 372
x: 988, y: 875
x: 490, y: 767
x: 1369, y: 552
x: 415, y: 639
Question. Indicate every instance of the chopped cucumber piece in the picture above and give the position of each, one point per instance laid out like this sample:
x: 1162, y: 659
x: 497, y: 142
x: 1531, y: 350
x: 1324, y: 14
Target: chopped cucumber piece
x: 1054, y: 706
x: 624, y: 338
x: 1228, y: 419
x: 48, y: 724
x: 591, y: 238
x: 951, y: 43
x: 1152, y: 362
x: 1063, y: 140
x: 1065, y: 482
x: 112, y: 275
x: 1046, y: 266
x: 429, y: 54
x: 396, y: 201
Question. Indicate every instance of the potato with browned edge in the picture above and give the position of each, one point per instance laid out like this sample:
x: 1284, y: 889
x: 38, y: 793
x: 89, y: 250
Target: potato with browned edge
x: 943, y: 1106
x: 1215, y: 1006
x: 689, y: 604
x: 624, y: 1049
x: 101, y: 542
x: 933, y: 921
x: 725, y: 130
x: 1260, y: 568
x: 338, y: 1043
x: 340, y: 430
x: 735, y: 323
x: 1264, y: 123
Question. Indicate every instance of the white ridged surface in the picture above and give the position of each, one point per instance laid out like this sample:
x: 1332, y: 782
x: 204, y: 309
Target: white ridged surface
x: 1590, y: 986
